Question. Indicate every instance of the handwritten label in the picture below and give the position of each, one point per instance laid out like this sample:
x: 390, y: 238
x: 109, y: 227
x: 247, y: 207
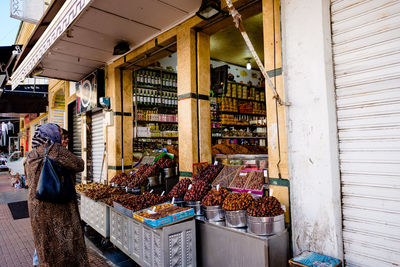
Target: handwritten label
x: 173, y: 200
x: 190, y: 186
x: 162, y: 193
x: 218, y: 185
x: 151, y: 191
x: 243, y: 174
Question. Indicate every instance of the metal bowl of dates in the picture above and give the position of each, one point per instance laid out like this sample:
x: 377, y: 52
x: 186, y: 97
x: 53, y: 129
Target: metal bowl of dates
x: 179, y: 202
x: 196, y: 205
x: 135, y: 190
x: 168, y: 172
x: 214, y: 213
x: 154, y: 180
x: 236, y: 218
x: 266, y: 225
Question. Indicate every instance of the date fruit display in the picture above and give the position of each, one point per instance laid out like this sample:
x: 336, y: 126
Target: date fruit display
x: 179, y: 190
x: 197, y: 192
x: 209, y: 173
x: 265, y: 207
x: 237, y: 201
x: 215, y: 197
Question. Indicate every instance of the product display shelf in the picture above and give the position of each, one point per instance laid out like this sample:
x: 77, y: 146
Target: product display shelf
x: 96, y: 214
x: 173, y: 245
x: 238, y: 247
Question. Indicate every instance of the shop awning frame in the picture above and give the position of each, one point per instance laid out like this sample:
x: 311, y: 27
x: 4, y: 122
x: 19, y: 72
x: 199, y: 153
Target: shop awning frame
x: 82, y: 35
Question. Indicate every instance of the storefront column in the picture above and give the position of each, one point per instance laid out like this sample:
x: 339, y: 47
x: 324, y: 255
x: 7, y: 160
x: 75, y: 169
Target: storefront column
x: 187, y: 107
x: 312, y: 127
x: 115, y: 131
x: 277, y: 150
x: 204, y: 83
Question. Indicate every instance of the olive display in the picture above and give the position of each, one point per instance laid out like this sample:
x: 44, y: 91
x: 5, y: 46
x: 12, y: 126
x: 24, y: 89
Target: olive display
x: 237, y: 201
x: 265, y: 207
x: 197, y: 192
x: 179, y: 190
x: 215, y: 197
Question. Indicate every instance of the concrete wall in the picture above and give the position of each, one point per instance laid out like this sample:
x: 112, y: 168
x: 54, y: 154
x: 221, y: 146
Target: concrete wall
x: 311, y: 127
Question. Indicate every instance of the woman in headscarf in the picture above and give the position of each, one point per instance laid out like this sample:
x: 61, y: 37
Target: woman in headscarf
x: 56, y: 228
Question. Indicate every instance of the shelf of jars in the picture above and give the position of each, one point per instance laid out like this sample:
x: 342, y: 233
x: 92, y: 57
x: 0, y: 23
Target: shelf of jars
x: 155, y: 109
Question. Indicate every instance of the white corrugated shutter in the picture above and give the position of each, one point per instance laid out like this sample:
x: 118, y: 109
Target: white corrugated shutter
x: 97, y: 143
x: 366, y: 53
x: 76, y: 141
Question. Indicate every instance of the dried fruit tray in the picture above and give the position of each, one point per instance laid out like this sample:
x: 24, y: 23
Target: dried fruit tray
x: 226, y: 176
x: 168, y: 220
x: 240, y: 179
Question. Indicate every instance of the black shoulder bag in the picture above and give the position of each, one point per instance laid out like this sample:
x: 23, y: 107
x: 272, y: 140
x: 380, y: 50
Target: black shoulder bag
x: 54, y: 184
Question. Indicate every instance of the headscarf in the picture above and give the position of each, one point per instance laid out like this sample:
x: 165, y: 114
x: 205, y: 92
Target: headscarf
x: 48, y: 132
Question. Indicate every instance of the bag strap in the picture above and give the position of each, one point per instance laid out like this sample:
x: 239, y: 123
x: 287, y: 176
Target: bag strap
x: 46, y: 151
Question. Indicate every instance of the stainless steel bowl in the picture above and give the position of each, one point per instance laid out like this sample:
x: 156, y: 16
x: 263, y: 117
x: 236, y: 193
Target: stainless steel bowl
x: 196, y: 205
x: 154, y: 180
x: 236, y: 218
x: 168, y: 172
x: 214, y: 213
x: 266, y: 225
x: 179, y: 202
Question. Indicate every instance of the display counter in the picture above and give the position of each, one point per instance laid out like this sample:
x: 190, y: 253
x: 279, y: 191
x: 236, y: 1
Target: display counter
x: 96, y: 214
x: 218, y: 245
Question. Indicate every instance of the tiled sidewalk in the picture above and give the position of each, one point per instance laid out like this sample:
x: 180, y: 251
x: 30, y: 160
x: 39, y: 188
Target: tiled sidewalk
x: 16, y: 240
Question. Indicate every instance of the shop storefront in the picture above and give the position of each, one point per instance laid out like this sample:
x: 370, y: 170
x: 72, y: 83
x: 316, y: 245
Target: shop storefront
x: 183, y: 85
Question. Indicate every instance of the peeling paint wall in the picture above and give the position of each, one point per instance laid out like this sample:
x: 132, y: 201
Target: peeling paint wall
x: 311, y: 127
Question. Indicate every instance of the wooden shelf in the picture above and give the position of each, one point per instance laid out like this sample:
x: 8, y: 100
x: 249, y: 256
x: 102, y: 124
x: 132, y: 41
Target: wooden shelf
x: 165, y: 122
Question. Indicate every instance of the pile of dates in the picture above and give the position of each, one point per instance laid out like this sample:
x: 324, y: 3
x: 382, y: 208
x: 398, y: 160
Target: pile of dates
x: 84, y: 187
x: 103, y: 192
x: 237, y: 201
x: 179, y: 190
x: 209, y: 173
x: 265, y: 207
x: 197, y: 192
x: 135, y: 203
x: 119, y: 178
x: 215, y: 197
x: 165, y: 162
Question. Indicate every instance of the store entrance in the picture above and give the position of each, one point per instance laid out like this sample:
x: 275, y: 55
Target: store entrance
x: 238, y: 106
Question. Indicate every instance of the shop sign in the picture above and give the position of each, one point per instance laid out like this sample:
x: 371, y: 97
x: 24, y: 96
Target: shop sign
x: 88, y: 91
x: 27, y: 10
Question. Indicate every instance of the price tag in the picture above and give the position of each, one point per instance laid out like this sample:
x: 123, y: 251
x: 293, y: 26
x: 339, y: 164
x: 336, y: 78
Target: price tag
x: 215, y: 162
x: 153, y: 209
x: 190, y: 186
x: 283, y: 207
x: 265, y: 173
x: 243, y: 174
x: 151, y: 191
x: 218, y: 185
x: 271, y: 192
x: 173, y: 200
x: 162, y: 193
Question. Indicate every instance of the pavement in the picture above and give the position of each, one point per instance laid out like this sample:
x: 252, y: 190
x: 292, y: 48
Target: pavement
x: 16, y: 240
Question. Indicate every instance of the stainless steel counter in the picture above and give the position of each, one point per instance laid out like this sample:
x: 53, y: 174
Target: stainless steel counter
x: 218, y: 245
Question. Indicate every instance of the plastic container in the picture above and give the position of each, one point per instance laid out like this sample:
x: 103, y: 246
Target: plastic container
x: 214, y: 213
x: 236, y: 218
x: 196, y: 205
x: 266, y: 225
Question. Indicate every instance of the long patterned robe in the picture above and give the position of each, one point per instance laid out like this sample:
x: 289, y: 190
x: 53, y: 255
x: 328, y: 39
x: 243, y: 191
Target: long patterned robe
x: 56, y: 228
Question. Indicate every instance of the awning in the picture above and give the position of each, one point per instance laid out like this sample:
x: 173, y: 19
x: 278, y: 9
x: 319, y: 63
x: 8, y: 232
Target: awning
x: 83, y: 34
x: 8, y: 56
x: 24, y: 99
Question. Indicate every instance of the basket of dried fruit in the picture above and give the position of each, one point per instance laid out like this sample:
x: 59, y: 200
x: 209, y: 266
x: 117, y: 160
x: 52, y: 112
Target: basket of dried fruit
x: 226, y: 176
x: 265, y: 216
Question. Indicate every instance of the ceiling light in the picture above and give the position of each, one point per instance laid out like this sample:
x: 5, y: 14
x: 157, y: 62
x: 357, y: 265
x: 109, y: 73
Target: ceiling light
x: 121, y: 48
x: 248, y: 65
x: 209, y: 9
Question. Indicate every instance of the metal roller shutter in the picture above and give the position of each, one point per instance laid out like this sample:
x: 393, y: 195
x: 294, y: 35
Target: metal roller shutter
x: 366, y: 53
x: 76, y: 141
x: 97, y: 141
